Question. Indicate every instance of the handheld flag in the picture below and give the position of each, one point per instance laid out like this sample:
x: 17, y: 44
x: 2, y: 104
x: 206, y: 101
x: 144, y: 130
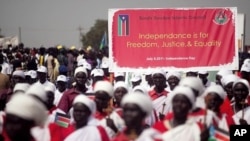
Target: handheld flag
x: 217, y: 134
x: 62, y: 120
x: 104, y: 41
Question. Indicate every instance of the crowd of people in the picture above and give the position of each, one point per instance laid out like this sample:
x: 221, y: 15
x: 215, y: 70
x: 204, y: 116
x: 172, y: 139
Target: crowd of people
x: 57, y: 94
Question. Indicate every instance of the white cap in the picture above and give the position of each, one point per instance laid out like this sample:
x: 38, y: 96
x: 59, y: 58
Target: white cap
x: 21, y: 87
x: 183, y: 90
x: 216, y: 89
x: 174, y: 73
x: 62, y: 78
x: 98, y: 72
x: 37, y: 90
x: 194, y: 83
x: 93, y: 71
x: 120, y: 84
x: 86, y: 101
x: 42, y: 69
x: 140, y: 88
x: 246, y: 61
x: 104, y: 86
x: 116, y: 74
x: 245, y: 67
x: 159, y: 71
x: 202, y: 72
x: 19, y: 73
x: 143, y: 101
x: 135, y: 77
x: 80, y: 69
x: 105, y: 64
x: 28, y: 108
x: 86, y: 65
x: 32, y: 74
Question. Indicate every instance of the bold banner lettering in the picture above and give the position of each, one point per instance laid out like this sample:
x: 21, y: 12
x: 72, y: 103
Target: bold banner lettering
x: 181, y: 38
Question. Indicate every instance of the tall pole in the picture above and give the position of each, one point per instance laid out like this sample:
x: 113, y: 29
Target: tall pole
x: 20, y: 34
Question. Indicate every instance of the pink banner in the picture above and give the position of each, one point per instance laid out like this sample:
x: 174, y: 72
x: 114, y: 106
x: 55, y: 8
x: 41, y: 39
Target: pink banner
x: 197, y: 38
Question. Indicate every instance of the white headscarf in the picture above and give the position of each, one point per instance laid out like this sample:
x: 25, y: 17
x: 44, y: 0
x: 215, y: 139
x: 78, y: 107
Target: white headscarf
x: 216, y: 89
x: 184, y: 90
x: 143, y: 101
x: 86, y: 101
x: 26, y: 107
x: 104, y: 86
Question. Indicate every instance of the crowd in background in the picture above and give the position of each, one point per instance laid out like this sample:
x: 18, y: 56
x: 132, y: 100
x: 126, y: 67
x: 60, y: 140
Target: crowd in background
x: 58, y: 93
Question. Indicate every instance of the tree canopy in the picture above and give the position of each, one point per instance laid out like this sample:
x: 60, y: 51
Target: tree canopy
x: 94, y: 36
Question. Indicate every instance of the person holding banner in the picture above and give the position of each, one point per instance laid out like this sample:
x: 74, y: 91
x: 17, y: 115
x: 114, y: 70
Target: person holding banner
x: 241, y: 107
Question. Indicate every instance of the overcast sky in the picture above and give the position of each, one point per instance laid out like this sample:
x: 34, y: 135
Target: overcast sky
x: 51, y: 22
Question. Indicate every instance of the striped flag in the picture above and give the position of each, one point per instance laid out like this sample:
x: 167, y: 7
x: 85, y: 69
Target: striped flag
x: 62, y: 120
x: 217, y: 134
x: 123, y: 25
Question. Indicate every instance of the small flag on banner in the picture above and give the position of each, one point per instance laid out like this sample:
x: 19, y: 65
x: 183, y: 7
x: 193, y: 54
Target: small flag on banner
x: 217, y: 134
x: 62, y: 120
x: 123, y: 25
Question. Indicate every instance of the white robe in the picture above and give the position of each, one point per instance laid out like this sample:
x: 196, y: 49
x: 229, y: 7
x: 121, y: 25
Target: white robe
x: 190, y: 131
x: 118, y: 121
x: 87, y: 133
x: 237, y: 116
x: 158, y: 105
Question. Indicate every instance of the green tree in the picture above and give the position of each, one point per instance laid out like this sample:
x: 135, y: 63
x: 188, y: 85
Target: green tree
x: 94, y: 36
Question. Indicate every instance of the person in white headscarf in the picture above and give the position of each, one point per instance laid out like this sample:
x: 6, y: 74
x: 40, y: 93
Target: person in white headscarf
x: 199, y: 113
x: 220, y: 74
x: 136, y: 107
x: 83, y: 111
x: 227, y: 83
x: 109, y: 118
x: 241, y: 107
x: 20, y: 121
x: 214, y: 98
x: 181, y: 127
x: 120, y: 89
x: 173, y: 79
x: 159, y: 93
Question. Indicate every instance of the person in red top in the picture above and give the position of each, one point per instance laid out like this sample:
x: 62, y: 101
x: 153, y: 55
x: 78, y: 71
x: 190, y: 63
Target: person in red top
x: 214, y: 97
x: 19, y: 121
x: 67, y: 99
x: 136, y: 107
x: 159, y: 94
x: 183, y: 101
x: 83, y: 109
